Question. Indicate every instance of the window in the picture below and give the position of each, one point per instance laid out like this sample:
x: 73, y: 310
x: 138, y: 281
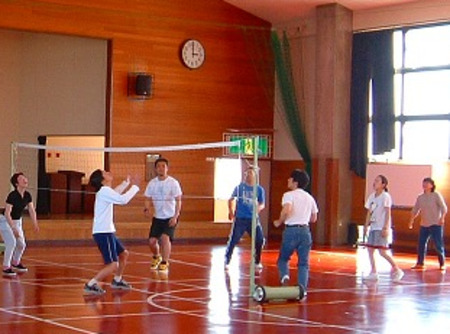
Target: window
x: 227, y: 175
x: 421, y: 95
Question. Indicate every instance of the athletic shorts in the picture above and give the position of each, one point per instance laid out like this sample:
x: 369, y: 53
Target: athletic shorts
x: 376, y: 240
x: 160, y: 227
x: 109, y: 245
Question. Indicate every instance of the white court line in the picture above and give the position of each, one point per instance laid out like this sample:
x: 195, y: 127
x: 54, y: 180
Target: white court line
x: 78, y: 267
x: 84, y: 279
x: 49, y: 322
x: 69, y: 305
x: 194, y: 287
x: 111, y: 316
x: 296, y: 322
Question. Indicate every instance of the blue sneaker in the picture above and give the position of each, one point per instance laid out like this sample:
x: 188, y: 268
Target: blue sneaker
x: 93, y: 290
x: 121, y: 285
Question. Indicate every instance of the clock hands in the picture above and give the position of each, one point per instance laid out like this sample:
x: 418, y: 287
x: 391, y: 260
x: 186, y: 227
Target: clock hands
x: 193, y: 49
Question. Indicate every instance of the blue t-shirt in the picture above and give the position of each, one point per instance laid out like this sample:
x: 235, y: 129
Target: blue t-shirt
x: 244, y: 197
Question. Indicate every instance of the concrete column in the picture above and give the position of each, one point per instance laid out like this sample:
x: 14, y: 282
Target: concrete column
x: 332, y: 126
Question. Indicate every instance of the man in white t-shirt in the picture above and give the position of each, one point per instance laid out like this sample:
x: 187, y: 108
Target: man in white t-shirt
x: 299, y: 209
x: 163, y: 204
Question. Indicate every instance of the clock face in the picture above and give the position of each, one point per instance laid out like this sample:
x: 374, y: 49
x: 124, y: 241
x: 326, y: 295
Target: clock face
x: 193, y: 54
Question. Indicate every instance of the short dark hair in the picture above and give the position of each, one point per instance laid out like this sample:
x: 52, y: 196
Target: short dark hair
x: 430, y: 181
x: 250, y: 169
x: 301, y: 177
x: 14, y: 179
x: 162, y: 160
x: 96, y: 179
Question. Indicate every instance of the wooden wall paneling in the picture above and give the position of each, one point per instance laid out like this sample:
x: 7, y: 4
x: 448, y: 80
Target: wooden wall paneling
x: 233, y: 89
x: 81, y: 230
x: 358, y: 199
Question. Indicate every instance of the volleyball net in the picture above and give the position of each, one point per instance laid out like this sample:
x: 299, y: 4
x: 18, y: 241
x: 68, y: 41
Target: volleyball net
x: 62, y: 173
x: 59, y: 175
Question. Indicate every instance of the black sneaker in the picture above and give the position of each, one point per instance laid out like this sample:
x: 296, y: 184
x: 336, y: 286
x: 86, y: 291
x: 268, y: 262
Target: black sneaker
x: 122, y: 285
x: 93, y: 290
x: 20, y: 268
x: 8, y: 272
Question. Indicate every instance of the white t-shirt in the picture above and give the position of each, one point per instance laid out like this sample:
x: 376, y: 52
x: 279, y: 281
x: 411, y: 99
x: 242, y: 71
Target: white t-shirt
x: 103, y: 206
x: 303, y: 206
x: 163, y: 194
x: 377, y: 207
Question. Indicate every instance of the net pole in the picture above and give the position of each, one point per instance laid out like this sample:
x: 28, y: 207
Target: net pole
x: 254, y: 214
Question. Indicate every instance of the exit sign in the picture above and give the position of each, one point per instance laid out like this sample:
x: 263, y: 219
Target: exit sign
x: 247, y: 145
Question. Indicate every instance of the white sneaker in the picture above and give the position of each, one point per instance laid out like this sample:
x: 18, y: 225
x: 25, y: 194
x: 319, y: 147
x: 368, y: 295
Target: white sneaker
x: 398, y: 275
x: 371, y: 277
x: 285, y: 280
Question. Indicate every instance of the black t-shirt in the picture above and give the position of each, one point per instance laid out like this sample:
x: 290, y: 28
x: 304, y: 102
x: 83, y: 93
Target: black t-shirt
x: 18, y: 203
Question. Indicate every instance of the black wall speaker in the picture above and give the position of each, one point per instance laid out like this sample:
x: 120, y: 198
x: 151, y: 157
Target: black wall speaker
x: 140, y: 85
x: 143, y: 84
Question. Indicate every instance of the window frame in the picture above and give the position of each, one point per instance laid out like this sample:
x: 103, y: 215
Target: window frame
x: 400, y: 118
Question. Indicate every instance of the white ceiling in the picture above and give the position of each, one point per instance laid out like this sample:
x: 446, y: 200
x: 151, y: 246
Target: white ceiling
x: 281, y: 11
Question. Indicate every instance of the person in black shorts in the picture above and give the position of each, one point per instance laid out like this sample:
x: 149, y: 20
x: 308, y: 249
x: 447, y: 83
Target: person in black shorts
x: 163, y: 204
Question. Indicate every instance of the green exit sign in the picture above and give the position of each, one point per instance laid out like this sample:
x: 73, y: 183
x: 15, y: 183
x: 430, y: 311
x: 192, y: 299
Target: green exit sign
x: 247, y: 145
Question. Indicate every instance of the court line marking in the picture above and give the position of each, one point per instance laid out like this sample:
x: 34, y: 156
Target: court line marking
x: 296, y: 322
x: 200, y: 288
x: 110, y: 316
x: 49, y: 322
x: 246, y: 310
x: 207, y: 267
x: 86, y: 303
x: 329, y: 253
x: 192, y: 288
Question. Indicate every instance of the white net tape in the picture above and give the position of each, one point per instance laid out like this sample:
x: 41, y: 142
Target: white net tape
x: 131, y: 149
x: 192, y: 165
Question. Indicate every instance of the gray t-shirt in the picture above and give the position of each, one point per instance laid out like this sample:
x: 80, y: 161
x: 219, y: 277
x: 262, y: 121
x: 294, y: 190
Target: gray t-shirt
x: 431, y: 207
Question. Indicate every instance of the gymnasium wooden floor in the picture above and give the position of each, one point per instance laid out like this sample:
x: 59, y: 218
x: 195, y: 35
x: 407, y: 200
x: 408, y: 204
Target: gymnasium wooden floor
x: 199, y: 296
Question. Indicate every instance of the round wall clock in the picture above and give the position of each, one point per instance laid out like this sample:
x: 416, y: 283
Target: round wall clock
x: 192, y: 54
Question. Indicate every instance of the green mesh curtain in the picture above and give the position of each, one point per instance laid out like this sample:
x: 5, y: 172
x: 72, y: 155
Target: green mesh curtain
x: 290, y: 107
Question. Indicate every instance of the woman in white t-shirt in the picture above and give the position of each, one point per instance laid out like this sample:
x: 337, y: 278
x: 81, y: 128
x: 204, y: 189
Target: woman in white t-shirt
x: 378, y: 221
